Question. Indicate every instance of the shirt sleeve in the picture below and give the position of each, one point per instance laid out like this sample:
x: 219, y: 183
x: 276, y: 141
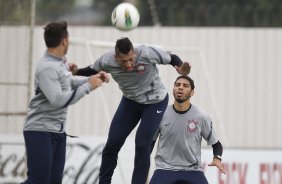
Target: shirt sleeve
x: 104, y: 62
x: 159, y: 56
x: 208, y: 131
x: 50, y: 85
x: 78, y: 81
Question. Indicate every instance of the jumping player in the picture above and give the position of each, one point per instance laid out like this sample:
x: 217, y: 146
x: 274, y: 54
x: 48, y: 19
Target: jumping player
x: 144, y: 97
x: 178, y: 157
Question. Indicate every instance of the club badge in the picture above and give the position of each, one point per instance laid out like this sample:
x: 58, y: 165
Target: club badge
x: 140, y: 68
x: 192, y: 126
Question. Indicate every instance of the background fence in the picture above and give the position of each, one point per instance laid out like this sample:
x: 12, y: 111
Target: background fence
x: 236, y: 71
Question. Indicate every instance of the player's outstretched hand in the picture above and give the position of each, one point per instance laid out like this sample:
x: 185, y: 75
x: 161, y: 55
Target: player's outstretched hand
x: 184, y: 69
x: 216, y: 162
x: 103, y: 76
x: 73, y: 68
x: 97, y: 80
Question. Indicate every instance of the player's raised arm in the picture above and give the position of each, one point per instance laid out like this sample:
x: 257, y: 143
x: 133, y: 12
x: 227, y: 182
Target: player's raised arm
x: 183, y: 68
x: 87, y: 71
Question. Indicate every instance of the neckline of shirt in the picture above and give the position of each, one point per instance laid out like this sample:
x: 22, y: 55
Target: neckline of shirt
x: 182, y: 112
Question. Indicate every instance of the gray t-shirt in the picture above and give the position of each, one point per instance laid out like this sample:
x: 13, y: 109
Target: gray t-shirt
x: 180, y: 137
x: 55, y: 89
x: 143, y: 84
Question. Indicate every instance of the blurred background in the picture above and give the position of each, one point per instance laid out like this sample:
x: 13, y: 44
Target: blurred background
x: 232, y: 45
x: 227, y: 13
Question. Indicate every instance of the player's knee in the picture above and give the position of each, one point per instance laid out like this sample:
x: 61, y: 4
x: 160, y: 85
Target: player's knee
x: 36, y: 180
x: 57, y: 180
x: 111, y: 148
x: 143, y: 152
x: 143, y: 145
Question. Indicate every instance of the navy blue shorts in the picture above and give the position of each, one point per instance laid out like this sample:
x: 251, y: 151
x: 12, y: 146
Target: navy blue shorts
x: 178, y: 177
x: 45, y: 153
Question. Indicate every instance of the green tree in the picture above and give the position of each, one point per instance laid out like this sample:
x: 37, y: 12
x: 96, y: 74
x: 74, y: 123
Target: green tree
x: 105, y: 8
x: 249, y: 13
x: 47, y: 10
x: 15, y: 12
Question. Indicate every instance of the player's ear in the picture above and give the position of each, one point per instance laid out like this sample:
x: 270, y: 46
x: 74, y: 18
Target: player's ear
x: 192, y: 93
x: 115, y: 57
x: 64, y: 41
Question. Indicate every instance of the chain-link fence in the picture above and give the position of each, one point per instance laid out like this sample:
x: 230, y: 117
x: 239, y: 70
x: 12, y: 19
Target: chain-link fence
x: 15, y: 63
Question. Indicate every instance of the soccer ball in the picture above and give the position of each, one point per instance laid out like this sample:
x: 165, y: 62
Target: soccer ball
x: 125, y: 16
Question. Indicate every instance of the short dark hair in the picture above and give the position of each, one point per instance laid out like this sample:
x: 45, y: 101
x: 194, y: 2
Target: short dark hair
x: 123, y: 46
x: 55, y: 32
x: 189, y: 79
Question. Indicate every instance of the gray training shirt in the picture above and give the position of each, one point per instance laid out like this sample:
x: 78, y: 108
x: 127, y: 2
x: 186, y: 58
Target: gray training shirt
x: 143, y: 84
x: 55, y: 89
x: 180, y: 137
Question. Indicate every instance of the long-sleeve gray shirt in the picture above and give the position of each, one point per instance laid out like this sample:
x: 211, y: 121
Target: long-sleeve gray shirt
x: 143, y: 84
x: 55, y: 90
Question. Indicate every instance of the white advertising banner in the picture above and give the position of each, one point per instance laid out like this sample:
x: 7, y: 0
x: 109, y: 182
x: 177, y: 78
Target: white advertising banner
x: 243, y: 166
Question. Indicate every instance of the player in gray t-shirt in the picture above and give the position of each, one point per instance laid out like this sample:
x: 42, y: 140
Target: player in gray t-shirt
x: 178, y: 157
x: 144, y: 99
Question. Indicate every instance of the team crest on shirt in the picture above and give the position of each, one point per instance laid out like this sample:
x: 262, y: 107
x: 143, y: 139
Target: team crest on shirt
x: 192, y: 126
x: 140, y: 68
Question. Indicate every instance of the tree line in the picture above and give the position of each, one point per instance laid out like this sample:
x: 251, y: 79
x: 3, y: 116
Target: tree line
x: 246, y: 13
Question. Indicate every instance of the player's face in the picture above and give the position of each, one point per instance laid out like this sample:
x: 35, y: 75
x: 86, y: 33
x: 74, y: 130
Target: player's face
x: 182, y: 90
x: 126, y: 61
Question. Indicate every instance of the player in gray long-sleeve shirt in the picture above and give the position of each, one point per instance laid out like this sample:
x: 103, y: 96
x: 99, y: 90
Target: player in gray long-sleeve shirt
x: 48, y: 108
x: 55, y: 90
